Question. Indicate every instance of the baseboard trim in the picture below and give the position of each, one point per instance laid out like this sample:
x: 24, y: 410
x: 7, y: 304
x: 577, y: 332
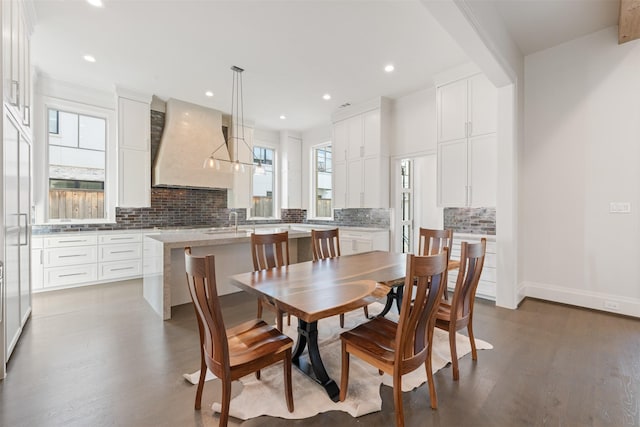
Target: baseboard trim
x: 594, y: 300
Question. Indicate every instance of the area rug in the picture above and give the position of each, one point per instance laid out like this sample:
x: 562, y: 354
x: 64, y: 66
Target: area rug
x: 266, y: 396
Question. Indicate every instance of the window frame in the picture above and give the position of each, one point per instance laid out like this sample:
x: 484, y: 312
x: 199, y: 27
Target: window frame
x: 41, y: 174
x: 314, y: 183
x: 276, y: 188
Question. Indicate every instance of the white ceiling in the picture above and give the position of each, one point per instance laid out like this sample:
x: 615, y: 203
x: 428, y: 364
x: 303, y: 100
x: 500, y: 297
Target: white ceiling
x: 293, y: 51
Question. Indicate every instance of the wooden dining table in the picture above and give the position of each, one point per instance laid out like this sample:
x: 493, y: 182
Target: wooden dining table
x: 315, y: 290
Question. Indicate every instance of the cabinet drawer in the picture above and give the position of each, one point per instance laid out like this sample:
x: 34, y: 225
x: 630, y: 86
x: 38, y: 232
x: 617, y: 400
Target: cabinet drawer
x: 58, y: 257
x: 126, y: 251
x: 65, y: 241
x: 72, y: 275
x: 119, y: 269
x: 120, y: 238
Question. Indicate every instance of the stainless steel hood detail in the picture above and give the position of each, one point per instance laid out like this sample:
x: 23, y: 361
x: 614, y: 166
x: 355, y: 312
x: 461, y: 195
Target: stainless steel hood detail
x: 190, y: 133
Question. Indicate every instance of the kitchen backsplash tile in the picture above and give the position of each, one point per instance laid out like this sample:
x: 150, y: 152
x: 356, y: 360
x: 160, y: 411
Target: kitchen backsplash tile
x: 374, y: 218
x: 471, y: 220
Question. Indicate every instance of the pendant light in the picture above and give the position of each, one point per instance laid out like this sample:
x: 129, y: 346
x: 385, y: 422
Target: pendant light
x: 237, y: 132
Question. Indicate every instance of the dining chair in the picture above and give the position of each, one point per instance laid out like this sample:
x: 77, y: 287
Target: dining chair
x: 232, y: 353
x: 270, y: 251
x: 326, y: 244
x: 402, y: 347
x: 459, y: 313
x: 432, y: 241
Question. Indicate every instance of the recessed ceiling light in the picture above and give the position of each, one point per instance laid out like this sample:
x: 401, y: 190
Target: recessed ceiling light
x: 389, y: 68
x: 209, y: 93
x: 326, y: 97
x: 89, y: 58
x: 96, y: 3
x: 283, y: 117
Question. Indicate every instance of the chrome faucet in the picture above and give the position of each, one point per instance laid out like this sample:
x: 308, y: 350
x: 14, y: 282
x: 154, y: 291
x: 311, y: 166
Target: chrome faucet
x: 235, y: 215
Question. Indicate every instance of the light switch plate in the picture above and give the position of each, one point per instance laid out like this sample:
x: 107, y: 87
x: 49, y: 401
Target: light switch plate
x: 619, y: 207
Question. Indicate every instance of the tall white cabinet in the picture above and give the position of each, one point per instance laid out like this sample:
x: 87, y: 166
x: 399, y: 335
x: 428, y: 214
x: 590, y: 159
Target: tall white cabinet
x: 360, y: 150
x: 15, y: 179
x: 134, y: 150
x: 467, y: 152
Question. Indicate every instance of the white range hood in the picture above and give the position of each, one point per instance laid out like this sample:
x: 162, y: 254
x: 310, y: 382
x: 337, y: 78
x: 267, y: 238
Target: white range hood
x: 191, y: 133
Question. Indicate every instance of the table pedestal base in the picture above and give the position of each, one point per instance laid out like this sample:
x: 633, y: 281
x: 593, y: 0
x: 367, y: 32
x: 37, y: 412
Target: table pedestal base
x: 314, y: 368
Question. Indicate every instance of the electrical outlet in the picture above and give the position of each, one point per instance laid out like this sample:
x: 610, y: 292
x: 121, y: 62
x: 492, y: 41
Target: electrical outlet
x: 619, y: 207
x: 611, y: 305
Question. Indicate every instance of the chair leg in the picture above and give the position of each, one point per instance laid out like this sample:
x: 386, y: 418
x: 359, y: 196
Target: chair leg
x: 287, y: 380
x: 366, y: 312
x: 226, y: 400
x: 258, y: 374
x: 454, y: 352
x: 397, y: 398
x: 432, y: 386
x: 472, y: 340
x: 203, y: 374
x: 279, y: 320
x: 288, y: 319
x: 259, y: 308
x: 342, y: 320
x: 344, y: 381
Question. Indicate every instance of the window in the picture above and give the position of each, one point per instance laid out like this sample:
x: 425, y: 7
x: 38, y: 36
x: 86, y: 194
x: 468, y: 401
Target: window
x: 322, y: 185
x: 263, y: 184
x: 74, y: 169
x: 77, y: 145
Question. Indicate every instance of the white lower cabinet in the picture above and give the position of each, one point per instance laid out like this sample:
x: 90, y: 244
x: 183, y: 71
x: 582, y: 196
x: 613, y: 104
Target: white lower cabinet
x: 120, y: 269
x: 487, y: 285
x: 355, y: 242
x: 85, y: 259
x: 55, y: 277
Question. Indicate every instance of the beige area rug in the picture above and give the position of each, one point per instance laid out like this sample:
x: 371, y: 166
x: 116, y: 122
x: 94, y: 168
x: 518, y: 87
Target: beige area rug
x: 266, y: 396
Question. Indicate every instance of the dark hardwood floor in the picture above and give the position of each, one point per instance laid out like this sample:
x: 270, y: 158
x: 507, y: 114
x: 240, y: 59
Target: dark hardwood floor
x: 99, y: 356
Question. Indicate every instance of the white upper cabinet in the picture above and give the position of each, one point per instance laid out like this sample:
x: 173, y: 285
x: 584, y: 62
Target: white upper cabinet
x: 483, y: 106
x: 16, y: 60
x: 467, y: 152
x: 452, y: 111
x: 134, y: 118
x: 361, y: 156
x: 134, y: 151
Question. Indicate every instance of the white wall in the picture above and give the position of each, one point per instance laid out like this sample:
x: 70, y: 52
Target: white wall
x: 582, y: 151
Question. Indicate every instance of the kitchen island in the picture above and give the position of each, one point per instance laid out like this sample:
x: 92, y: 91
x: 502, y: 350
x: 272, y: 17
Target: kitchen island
x: 164, y: 283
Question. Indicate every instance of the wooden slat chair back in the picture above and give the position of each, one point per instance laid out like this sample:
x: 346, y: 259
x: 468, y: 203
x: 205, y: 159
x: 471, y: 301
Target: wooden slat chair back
x: 270, y: 251
x: 431, y: 242
x: 459, y: 314
x: 326, y: 244
x: 399, y: 348
x: 231, y: 354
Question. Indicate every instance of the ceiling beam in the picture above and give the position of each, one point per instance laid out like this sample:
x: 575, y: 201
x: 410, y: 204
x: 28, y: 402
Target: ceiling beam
x: 629, y: 21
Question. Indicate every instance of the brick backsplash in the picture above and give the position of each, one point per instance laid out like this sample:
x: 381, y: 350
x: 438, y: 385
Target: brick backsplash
x: 189, y: 207
x: 471, y: 220
x: 374, y: 218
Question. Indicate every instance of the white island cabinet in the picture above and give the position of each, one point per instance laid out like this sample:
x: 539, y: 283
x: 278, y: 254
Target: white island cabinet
x: 164, y: 283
